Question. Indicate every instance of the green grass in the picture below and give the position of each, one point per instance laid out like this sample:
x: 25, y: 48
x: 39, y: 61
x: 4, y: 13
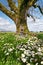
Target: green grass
x: 12, y: 38
x: 40, y: 35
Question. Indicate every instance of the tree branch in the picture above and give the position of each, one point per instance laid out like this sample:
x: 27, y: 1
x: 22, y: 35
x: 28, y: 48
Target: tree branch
x: 19, y: 2
x: 35, y: 6
x: 31, y: 3
x: 12, y: 6
x: 31, y: 16
x: 7, y: 12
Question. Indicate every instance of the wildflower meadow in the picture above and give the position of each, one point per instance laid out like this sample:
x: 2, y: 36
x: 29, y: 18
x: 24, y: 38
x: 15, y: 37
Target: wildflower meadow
x: 21, y: 50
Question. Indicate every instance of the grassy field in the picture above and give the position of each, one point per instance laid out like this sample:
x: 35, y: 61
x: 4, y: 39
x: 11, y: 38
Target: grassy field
x: 11, y: 40
x: 40, y: 35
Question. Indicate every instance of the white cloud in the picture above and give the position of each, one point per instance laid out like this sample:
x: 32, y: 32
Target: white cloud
x: 5, y: 25
x: 3, y: 21
x: 35, y: 26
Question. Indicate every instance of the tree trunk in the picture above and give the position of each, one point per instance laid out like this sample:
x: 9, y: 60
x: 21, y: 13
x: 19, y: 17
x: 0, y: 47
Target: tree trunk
x: 21, y: 23
x: 22, y: 27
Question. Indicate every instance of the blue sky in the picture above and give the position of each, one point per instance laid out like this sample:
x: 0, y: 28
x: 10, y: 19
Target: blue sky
x: 36, y: 13
x: 6, y: 17
x: 9, y: 24
x: 4, y: 2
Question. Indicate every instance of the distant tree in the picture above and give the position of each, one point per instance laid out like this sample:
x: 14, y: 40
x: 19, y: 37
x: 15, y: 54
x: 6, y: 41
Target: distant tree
x: 19, y: 13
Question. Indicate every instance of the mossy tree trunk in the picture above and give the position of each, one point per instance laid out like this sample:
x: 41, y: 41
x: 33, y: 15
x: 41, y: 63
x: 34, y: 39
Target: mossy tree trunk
x: 22, y: 22
x: 22, y: 27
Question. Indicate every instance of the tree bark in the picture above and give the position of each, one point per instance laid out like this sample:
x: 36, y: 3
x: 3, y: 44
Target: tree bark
x: 21, y: 22
x: 22, y: 27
